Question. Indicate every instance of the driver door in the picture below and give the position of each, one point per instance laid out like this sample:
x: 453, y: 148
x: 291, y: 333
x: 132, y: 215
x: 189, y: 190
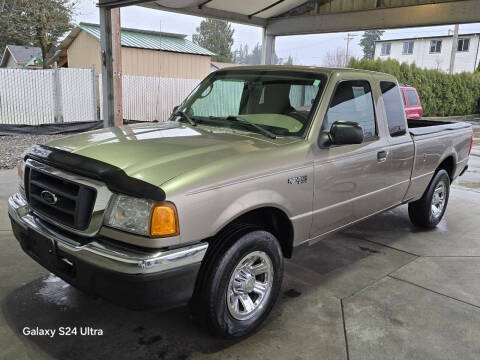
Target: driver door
x: 349, y: 178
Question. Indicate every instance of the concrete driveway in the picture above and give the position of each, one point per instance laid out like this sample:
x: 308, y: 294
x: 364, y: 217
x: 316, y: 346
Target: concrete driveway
x: 379, y: 290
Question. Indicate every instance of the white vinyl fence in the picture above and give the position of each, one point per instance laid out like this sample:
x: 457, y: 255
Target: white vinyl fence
x: 152, y: 98
x: 34, y: 97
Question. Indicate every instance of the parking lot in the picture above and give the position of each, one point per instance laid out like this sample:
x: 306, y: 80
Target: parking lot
x: 382, y: 289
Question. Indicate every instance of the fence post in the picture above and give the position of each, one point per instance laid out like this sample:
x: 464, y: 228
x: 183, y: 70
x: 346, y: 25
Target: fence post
x: 94, y: 94
x: 58, y: 94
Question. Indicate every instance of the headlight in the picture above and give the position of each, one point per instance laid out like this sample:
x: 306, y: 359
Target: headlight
x: 142, y: 216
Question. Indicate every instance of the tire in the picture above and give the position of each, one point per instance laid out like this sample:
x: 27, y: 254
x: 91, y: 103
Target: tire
x: 226, y: 282
x: 429, y: 210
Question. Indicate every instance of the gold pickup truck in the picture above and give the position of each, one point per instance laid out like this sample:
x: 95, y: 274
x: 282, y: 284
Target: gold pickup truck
x: 205, y: 207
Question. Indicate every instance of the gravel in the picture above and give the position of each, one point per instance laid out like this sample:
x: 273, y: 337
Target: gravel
x: 12, y: 147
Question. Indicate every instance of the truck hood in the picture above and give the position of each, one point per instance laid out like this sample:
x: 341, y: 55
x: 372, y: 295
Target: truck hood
x: 156, y: 153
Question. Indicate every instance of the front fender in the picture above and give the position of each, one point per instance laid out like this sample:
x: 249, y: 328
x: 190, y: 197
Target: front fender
x: 251, y: 201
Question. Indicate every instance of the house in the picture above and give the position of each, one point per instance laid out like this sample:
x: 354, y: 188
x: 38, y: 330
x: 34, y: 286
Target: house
x: 21, y: 57
x: 144, y: 53
x: 216, y: 65
x: 432, y: 52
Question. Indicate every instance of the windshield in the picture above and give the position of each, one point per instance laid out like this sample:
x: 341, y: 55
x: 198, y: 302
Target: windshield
x: 281, y: 102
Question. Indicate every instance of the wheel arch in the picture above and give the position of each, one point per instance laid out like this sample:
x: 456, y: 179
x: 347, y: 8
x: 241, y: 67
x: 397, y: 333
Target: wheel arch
x: 271, y: 218
x: 449, y: 165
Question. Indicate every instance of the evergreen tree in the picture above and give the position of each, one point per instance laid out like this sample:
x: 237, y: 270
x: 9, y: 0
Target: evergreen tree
x: 433, y: 86
x: 34, y: 23
x: 216, y: 36
x: 289, y: 61
x: 367, y: 42
x: 243, y: 56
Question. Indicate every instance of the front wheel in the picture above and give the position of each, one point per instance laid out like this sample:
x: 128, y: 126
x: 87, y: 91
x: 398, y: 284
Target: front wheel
x: 429, y: 210
x: 240, y: 284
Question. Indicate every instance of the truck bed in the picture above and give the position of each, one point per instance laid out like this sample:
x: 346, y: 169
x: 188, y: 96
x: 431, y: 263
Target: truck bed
x: 425, y: 127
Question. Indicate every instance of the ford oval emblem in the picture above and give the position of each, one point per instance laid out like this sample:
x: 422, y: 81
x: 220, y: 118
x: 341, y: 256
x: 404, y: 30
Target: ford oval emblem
x: 49, y: 197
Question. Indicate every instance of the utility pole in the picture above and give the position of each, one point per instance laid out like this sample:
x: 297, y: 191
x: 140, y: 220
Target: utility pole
x: 454, y: 49
x: 349, y: 37
x: 117, y: 67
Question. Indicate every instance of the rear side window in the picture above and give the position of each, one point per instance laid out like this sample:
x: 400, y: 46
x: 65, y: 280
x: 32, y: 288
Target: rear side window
x: 394, y: 108
x: 353, y: 101
x: 302, y: 97
x: 412, y: 97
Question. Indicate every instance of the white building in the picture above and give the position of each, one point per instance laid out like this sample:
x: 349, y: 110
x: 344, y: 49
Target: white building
x: 432, y: 52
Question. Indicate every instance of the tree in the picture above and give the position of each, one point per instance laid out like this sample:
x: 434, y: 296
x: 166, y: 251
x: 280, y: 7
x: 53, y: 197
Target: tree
x: 35, y: 23
x: 289, y: 61
x: 243, y: 56
x: 367, y: 42
x: 335, y: 58
x: 9, y: 22
x: 216, y: 36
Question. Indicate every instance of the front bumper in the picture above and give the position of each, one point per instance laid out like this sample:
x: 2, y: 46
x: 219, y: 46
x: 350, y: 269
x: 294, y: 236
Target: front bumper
x: 132, y: 277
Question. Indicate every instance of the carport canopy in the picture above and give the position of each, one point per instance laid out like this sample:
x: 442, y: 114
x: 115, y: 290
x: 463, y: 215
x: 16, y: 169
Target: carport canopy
x: 293, y: 17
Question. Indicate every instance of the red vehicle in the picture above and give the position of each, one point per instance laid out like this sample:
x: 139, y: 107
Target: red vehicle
x: 411, y: 101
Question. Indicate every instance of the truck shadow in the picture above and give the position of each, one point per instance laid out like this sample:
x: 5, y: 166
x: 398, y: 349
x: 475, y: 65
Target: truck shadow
x: 50, y: 303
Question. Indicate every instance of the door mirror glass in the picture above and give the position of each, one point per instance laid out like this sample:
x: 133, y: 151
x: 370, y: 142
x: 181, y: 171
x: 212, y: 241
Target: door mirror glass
x: 345, y: 133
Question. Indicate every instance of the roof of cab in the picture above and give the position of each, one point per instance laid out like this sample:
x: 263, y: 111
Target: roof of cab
x: 316, y: 69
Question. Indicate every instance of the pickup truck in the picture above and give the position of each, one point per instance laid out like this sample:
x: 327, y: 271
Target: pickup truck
x: 411, y: 101
x: 204, y: 208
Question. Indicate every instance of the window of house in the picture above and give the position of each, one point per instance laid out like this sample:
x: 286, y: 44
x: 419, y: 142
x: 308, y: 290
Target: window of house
x: 353, y: 101
x: 463, y: 44
x: 394, y: 108
x: 412, y: 97
x: 407, y: 48
x: 435, y: 46
x: 386, y: 49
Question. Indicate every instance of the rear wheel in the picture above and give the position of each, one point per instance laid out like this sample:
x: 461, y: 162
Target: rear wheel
x: 429, y: 210
x: 240, y: 283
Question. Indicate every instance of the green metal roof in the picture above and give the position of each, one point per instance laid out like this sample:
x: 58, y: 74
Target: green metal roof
x: 154, y: 40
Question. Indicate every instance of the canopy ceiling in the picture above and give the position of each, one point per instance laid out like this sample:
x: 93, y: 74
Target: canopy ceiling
x: 292, y: 17
x: 289, y: 17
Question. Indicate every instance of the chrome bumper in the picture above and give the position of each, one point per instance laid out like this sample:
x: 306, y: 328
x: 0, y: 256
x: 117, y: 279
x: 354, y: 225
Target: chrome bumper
x: 107, y: 256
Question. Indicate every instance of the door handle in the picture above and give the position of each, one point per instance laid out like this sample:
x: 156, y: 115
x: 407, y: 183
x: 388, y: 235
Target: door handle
x: 382, y: 156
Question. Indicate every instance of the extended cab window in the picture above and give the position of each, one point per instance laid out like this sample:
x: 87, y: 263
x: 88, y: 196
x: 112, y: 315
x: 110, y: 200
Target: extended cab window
x: 393, y: 108
x: 281, y: 102
x: 352, y: 101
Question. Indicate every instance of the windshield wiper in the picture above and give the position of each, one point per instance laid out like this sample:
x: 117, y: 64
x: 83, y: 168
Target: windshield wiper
x: 247, y: 123
x: 185, y: 116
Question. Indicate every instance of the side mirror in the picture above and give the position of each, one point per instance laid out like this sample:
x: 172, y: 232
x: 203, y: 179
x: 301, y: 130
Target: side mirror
x: 346, y: 132
x: 324, y: 140
x: 175, y: 108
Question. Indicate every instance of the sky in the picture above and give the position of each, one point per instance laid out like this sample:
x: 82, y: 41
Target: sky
x: 305, y: 49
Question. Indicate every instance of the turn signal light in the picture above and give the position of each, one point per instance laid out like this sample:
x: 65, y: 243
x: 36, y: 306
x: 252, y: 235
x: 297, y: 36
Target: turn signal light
x: 164, y: 220
x: 20, y: 169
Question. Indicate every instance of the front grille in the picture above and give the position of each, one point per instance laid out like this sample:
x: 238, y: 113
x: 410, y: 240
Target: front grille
x: 71, y: 204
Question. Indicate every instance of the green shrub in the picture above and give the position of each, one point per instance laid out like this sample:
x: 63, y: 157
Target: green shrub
x: 441, y: 94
